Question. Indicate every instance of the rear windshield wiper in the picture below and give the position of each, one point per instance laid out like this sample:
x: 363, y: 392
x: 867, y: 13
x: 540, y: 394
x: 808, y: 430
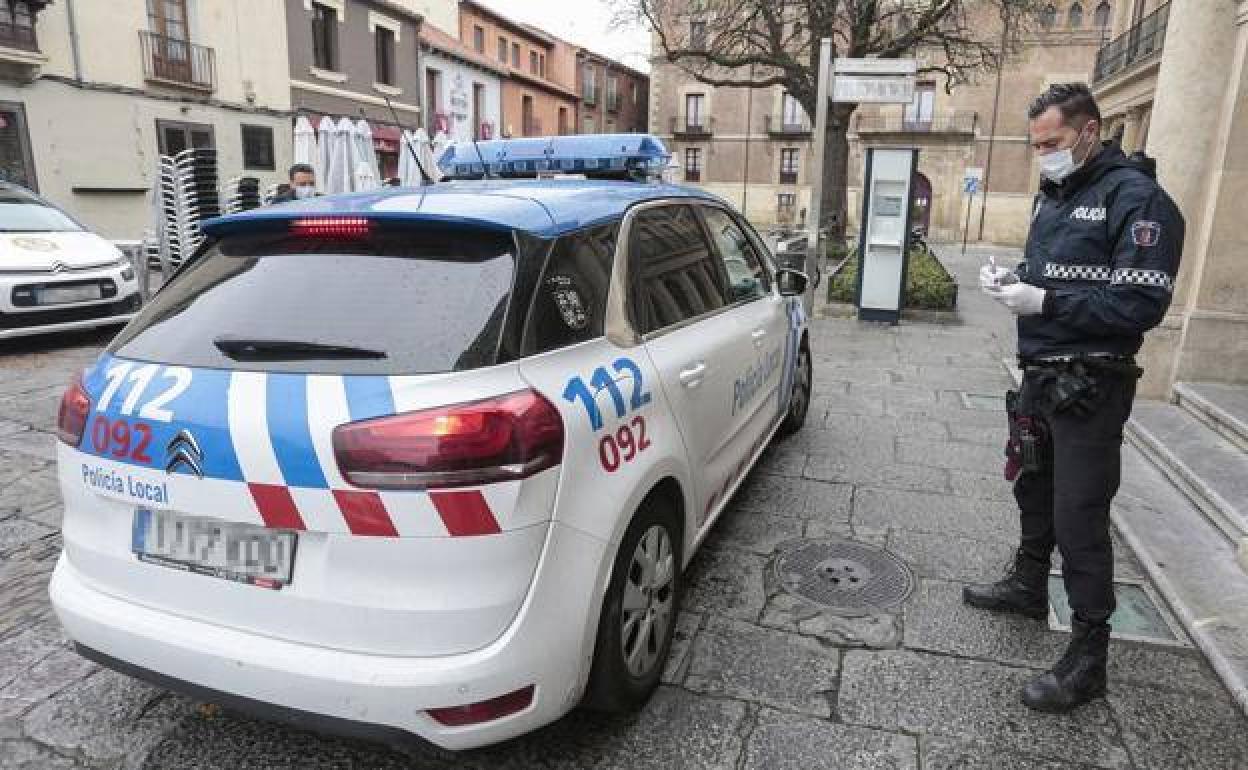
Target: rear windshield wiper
x: 255, y: 349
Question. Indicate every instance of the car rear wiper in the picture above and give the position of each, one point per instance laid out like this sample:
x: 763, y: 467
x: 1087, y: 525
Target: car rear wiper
x: 254, y: 349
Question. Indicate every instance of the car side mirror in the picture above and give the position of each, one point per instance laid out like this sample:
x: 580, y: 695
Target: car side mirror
x: 792, y: 282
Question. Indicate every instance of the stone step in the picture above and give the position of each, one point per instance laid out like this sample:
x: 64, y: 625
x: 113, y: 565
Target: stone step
x: 1224, y: 408
x: 1192, y: 565
x: 1210, y: 470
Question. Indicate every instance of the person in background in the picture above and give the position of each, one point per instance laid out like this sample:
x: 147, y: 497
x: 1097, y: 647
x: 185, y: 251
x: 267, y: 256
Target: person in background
x: 302, y: 184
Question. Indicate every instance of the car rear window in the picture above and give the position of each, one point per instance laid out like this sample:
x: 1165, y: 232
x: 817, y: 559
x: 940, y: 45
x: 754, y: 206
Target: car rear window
x: 395, y: 302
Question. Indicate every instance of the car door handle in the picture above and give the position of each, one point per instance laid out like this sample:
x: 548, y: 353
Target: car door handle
x: 692, y: 377
x: 757, y: 335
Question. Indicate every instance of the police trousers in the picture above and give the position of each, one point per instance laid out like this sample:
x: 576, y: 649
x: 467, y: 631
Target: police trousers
x: 1066, y: 502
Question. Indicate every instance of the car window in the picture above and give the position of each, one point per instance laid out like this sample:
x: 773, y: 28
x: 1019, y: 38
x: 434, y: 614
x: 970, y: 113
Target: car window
x: 747, y: 279
x: 571, y: 298
x: 402, y: 301
x: 21, y: 213
x: 674, y: 269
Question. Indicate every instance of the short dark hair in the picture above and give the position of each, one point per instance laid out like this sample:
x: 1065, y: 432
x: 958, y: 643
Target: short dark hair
x: 300, y: 168
x: 1075, y: 101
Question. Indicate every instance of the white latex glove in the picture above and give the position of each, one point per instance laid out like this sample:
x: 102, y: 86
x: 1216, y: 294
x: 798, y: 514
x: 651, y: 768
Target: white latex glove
x: 1020, y: 298
x: 991, y: 275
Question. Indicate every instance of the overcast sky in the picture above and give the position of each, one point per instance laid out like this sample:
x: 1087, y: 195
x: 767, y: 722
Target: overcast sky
x: 586, y: 22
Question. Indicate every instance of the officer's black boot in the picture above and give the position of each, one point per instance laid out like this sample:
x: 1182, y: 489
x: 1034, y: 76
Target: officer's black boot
x: 1024, y: 589
x: 1079, y: 676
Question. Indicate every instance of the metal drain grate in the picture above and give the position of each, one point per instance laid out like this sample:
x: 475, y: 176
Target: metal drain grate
x: 847, y: 577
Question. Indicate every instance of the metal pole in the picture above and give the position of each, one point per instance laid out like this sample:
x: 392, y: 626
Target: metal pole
x: 966, y: 229
x: 745, y: 175
x: 992, y: 131
x: 813, y: 223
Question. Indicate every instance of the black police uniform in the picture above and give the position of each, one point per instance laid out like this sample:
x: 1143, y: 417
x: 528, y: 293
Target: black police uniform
x: 1106, y: 245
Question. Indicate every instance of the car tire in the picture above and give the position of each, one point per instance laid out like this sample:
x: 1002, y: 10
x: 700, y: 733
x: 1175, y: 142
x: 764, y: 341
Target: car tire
x: 799, y: 400
x: 632, y: 647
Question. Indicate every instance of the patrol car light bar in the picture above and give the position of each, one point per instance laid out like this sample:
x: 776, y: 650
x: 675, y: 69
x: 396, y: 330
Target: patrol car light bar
x: 330, y: 227
x: 610, y: 156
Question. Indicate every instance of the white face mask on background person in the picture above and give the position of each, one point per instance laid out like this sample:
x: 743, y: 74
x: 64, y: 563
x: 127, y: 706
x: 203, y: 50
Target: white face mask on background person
x: 305, y: 191
x: 1059, y: 164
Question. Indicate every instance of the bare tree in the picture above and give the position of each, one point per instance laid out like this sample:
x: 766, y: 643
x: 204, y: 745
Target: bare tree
x: 760, y: 43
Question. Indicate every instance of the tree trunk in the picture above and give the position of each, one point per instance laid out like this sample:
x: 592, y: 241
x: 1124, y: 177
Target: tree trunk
x: 836, y: 172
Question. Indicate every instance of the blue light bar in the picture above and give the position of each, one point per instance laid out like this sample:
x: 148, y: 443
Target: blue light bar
x: 622, y: 156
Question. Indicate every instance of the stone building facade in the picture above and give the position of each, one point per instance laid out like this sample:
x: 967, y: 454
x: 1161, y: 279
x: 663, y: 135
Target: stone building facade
x: 1196, y: 126
x: 613, y: 98
x: 753, y: 146
x: 91, y: 93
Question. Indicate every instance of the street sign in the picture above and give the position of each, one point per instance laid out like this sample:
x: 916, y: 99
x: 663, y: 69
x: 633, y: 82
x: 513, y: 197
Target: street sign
x: 875, y: 66
x: 972, y: 179
x: 873, y: 89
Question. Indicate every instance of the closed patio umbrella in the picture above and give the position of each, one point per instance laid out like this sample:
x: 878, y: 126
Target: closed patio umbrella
x: 324, y: 152
x: 366, y: 153
x: 342, y: 158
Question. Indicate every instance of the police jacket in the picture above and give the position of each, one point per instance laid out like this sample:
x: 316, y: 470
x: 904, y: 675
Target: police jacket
x: 1105, y: 244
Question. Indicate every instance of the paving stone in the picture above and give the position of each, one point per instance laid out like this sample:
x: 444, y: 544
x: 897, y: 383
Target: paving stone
x: 983, y: 485
x: 687, y: 625
x: 829, y: 528
x: 946, y: 754
x: 973, y: 379
x: 743, y: 661
x: 787, y: 612
x: 34, y: 443
x: 882, y: 509
x: 50, y: 516
x: 11, y: 709
x: 803, y: 498
x: 725, y: 582
x: 845, y: 426
x: 980, y: 433
x: 105, y: 717
x: 856, y: 374
x: 16, y: 532
x: 912, y: 395
x: 754, y: 531
x: 937, y: 620
x: 948, y: 454
x: 1165, y: 730
x: 36, y: 408
x: 849, y: 469
x: 780, y: 741
x: 1172, y: 668
x: 33, y: 491
x: 914, y: 692
x: 21, y: 650
x: 19, y: 754
x: 780, y: 459
x: 49, y: 676
x: 952, y: 557
x: 24, y: 575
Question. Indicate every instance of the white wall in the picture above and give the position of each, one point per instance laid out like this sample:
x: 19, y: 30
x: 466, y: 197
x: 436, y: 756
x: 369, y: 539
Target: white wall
x: 455, y: 94
x: 443, y: 14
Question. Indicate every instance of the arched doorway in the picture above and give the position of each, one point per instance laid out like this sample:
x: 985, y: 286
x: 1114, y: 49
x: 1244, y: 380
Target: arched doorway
x: 920, y: 202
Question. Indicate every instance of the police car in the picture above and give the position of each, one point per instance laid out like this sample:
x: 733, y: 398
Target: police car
x: 428, y: 461
x: 55, y: 275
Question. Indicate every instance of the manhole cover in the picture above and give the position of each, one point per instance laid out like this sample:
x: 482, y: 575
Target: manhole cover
x: 849, y: 578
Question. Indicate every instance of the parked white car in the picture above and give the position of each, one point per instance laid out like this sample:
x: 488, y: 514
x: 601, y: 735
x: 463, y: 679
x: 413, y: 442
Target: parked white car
x: 55, y: 275
x: 429, y: 461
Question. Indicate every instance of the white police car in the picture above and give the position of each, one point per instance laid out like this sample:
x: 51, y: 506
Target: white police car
x: 427, y: 461
x: 55, y: 275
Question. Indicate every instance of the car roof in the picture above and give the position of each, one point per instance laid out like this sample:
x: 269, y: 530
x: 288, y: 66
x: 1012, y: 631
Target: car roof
x: 541, y: 207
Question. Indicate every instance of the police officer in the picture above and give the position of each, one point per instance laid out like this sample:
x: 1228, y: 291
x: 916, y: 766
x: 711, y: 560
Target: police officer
x: 1102, y: 254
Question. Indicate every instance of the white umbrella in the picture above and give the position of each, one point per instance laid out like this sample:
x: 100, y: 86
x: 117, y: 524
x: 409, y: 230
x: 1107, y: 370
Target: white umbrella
x: 365, y: 179
x: 342, y: 158
x: 365, y: 151
x: 408, y: 175
x: 430, y: 152
x: 324, y: 152
x: 305, y: 141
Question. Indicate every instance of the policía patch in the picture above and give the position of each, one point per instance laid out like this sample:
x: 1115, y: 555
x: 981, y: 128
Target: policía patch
x: 1145, y: 233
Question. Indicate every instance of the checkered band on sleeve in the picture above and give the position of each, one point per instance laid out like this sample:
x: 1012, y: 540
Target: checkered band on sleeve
x: 1076, y: 272
x: 1139, y: 277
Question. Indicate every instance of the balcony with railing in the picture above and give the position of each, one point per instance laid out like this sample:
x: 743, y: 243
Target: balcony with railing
x: 779, y: 126
x: 178, y: 62
x: 1140, y: 44
x: 948, y: 122
x: 692, y: 126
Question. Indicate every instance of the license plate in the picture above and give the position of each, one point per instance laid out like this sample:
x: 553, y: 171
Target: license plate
x: 59, y: 295
x: 244, y: 553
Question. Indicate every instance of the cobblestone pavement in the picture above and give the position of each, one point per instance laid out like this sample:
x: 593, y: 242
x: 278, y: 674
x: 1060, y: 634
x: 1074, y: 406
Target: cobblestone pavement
x: 891, y: 455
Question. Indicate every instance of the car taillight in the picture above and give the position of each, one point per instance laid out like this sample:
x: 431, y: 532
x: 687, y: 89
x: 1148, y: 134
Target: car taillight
x: 71, y: 420
x: 486, y: 710
x: 330, y: 227
x: 497, y: 439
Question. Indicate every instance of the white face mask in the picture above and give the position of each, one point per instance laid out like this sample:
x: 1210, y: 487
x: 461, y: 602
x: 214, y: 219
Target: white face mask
x: 1059, y: 164
x: 305, y: 191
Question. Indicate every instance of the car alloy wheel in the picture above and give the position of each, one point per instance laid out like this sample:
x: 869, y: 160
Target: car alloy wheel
x: 648, y: 601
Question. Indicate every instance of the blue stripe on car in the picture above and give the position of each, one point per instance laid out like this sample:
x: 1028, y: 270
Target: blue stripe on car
x: 287, y: 407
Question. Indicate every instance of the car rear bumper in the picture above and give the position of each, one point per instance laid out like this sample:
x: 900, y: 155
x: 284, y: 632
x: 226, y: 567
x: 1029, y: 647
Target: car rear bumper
x: 385, y: 697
